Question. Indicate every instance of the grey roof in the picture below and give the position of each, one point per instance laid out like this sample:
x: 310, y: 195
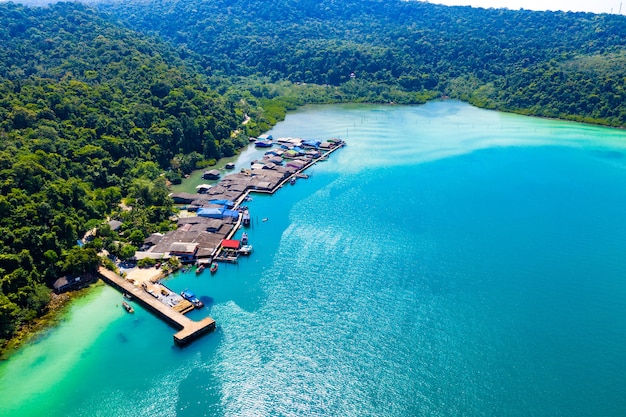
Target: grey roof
x: 183, y: 247
x: 115, y: 224
x: 154, y: 238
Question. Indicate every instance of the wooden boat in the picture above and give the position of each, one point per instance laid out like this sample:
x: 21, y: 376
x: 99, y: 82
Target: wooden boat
x: 213, y: 267
x: 292, y: 181
x: 244, y: 238
x: 200, y: 268
x: 127, y: 307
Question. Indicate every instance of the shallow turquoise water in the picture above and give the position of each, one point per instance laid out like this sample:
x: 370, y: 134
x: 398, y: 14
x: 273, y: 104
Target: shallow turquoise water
x: 449, y: 261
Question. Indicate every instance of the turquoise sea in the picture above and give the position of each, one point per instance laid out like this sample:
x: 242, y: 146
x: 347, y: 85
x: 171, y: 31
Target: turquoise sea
x: 450, y: 261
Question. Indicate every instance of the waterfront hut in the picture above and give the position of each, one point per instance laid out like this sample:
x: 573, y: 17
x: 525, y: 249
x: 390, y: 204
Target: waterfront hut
x: 294, y: 141
x: 64, y: 284
x: 203, y: 188
x: 218, y: 213
x: 186, y: 251
x: 211, y: 213
x: 263, y: 143
x: 311, y: 143
x: 183, y: 198
x: 296, y: 163
x: 238, y: 187
x: 231, y: 244
x: 276, y: 160
x: 213, y: 174
x: 291, y: 153
x: 213, y: 225
x: 263, y: 185
x: 152, y: 240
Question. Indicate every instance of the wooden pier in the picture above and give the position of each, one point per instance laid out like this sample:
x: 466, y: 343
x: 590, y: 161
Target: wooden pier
x: 189, y: 329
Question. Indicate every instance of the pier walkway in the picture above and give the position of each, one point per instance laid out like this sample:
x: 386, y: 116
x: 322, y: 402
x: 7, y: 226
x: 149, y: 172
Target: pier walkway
x: 189, y: 329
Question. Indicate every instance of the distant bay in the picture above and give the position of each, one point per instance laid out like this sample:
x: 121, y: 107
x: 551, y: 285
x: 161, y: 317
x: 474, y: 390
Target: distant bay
x: 450, y: 261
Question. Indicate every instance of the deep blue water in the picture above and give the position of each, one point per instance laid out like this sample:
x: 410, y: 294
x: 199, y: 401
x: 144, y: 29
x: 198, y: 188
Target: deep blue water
x: 449, y: 261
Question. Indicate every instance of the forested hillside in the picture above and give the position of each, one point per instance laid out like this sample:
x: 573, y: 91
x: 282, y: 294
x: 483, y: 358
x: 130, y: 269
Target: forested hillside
x: 531, y: 62
x: 89, y: 113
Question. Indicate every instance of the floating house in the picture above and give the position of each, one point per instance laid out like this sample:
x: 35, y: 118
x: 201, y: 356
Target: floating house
x: 213, y: 174
x: 263, y: 143
x: 311, y: 143
x: 203, y: 188
x: 296, y: 163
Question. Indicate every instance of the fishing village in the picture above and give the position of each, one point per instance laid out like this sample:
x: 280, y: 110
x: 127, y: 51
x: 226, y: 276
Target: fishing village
x: 206, y: 226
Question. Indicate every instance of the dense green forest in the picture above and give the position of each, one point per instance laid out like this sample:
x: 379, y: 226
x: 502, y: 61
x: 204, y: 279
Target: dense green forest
x: 106, y: 103
x: 542, y: 63
x: 90, y: 113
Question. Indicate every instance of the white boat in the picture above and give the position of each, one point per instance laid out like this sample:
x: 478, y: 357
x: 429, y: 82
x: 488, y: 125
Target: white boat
x: 245, y: 250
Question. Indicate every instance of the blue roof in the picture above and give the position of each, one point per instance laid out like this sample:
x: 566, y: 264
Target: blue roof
x: 215, y: 213
x: 227, y: 203
x: 314, y: 143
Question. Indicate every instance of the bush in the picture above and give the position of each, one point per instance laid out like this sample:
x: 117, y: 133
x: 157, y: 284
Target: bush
x: 146, y: 263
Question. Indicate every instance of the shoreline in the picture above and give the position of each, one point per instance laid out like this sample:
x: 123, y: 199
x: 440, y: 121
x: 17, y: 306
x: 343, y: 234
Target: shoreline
x: 57, y: 308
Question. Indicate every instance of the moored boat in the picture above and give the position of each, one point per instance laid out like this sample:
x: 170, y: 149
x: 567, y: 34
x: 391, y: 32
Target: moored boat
x: 128, y: 307
x: 200, y: 268
x: 191, y: 297
x: 245, y: 250
x: 246, y: 218
x: 244, y: 238
x: 213, y: 267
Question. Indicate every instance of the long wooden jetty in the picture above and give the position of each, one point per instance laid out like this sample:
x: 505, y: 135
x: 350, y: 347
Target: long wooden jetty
x: 189, y: 329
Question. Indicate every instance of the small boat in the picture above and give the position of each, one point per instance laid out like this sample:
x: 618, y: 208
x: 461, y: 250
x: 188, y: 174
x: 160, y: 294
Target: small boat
x: 265, y: 219
x: 213, y: 267
x: 245, y: 250
x: 191, y: 297
x: 244, y: 238
x: 230, y: 165
x: 246, y: 218
x: 128, y: 296
x: 127, y: 307
x: 292, y: 181
x: 200, y: 268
